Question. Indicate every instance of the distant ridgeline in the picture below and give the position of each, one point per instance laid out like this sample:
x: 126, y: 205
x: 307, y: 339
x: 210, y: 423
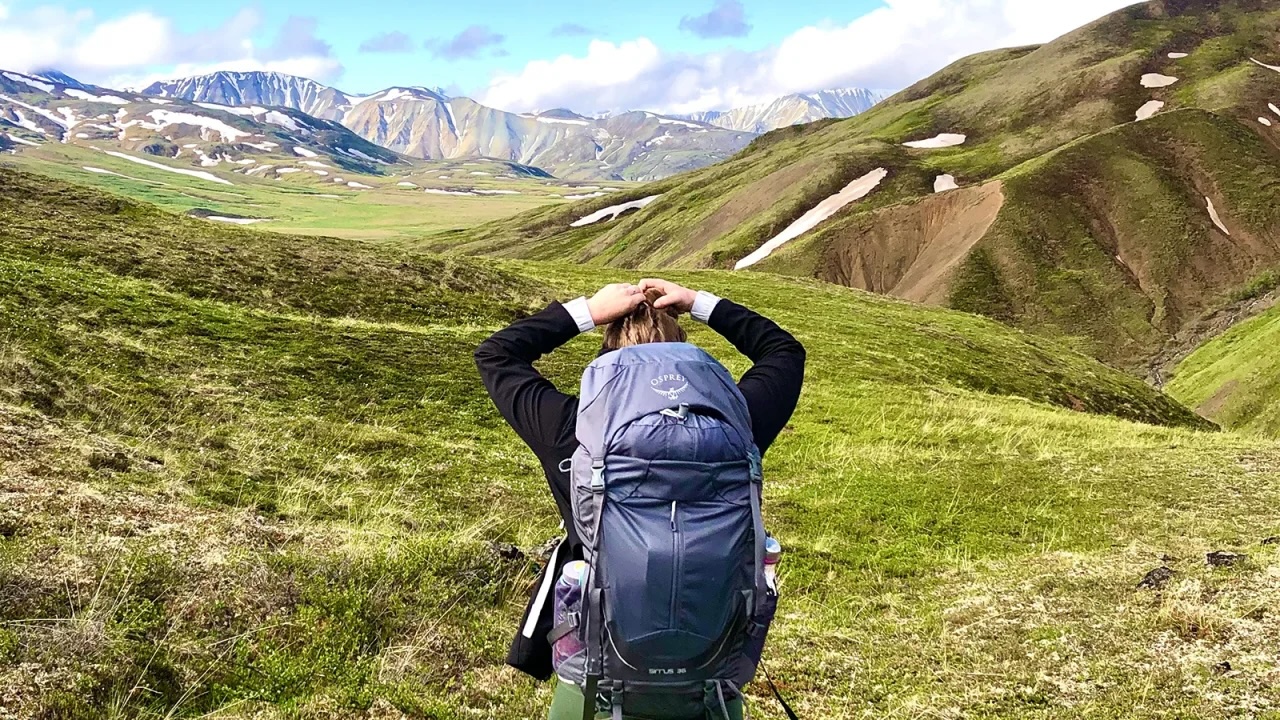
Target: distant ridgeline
x: 424, y: 123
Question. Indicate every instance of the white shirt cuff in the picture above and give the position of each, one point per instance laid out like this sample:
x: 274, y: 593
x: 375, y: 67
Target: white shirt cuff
x: 703, y: 305
x: 581, y: 314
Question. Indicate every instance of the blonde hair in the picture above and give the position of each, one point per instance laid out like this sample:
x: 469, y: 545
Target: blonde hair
x: 644, y: 325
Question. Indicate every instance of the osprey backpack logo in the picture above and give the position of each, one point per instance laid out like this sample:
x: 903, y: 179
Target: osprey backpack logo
x: 669, y: 386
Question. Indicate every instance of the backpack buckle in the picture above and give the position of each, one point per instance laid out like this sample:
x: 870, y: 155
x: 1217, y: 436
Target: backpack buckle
x: 597, y: 475
x: 680, y: 413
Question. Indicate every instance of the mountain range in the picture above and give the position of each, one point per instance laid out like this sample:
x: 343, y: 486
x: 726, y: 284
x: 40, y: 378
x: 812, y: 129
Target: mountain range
x: 796, y: 109
x: 424, y: 123
x: 249, y: 140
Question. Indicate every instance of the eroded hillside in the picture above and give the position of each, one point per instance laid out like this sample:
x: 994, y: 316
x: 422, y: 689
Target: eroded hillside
x: 1110, y: 143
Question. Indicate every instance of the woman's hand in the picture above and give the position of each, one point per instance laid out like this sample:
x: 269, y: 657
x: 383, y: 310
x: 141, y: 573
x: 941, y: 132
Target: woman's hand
x: 614, y: 302
x: 674, y: 296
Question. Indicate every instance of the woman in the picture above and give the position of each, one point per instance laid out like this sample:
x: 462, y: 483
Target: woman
x: 545, y: 418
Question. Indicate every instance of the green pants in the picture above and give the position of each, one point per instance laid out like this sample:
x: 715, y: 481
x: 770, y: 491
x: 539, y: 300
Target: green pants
x: 567, y: 705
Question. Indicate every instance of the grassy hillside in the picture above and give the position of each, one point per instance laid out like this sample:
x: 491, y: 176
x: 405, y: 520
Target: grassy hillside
x: 245, y: 475
x: 1235, y: 377
x: 1096, y: 212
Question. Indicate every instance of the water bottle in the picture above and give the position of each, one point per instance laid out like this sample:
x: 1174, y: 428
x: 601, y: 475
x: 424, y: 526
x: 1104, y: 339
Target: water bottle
x: 568, y: 599
x: 768, y: 605
x: 772, y: 554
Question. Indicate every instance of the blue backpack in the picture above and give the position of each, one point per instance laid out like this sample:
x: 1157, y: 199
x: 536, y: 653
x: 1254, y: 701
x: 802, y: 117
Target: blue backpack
x: 666, y: 483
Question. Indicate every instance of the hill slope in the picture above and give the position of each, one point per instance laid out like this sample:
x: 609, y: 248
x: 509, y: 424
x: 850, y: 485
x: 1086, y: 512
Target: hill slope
x: 257, y: 476
x: 1235, y: 377
x: 1056, y: 126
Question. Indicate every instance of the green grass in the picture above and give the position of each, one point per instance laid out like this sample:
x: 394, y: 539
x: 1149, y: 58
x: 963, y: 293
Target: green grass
x: 247, y: 475
x: 1235, y: 377
x: 303, y: 203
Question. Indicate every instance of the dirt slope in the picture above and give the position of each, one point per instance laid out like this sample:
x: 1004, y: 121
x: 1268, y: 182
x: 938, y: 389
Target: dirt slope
x: 909, y: 251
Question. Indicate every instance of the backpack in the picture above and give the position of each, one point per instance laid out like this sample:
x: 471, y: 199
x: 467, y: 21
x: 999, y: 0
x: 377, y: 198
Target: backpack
x: 666, y: 486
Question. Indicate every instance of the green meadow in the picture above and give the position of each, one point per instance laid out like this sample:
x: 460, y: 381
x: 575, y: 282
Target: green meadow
x: 254, y: 475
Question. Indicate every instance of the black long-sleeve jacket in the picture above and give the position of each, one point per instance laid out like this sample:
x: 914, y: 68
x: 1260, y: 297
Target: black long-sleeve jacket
x: 546, y: 418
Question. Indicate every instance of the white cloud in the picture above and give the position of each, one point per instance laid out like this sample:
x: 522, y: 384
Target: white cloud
x: 123, y: 50
x: 602, y: 73
x: 131, y: 41
x: 890, y: 47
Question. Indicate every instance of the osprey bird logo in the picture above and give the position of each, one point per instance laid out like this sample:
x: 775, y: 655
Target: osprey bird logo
x: 665, y: 385
x: 673, y: 394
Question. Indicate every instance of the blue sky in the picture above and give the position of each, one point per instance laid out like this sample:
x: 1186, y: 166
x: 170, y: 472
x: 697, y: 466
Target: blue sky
x: 655, y: 54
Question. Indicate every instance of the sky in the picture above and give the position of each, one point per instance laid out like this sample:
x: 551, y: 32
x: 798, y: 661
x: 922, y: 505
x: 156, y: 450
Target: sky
x: 672, y: 56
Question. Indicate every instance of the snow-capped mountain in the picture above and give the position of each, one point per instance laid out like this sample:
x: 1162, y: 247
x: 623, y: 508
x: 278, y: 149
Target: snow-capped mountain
x: 252, y: 140
x: 425, y: 123
x: 792, y: 110
x: 257, y: 88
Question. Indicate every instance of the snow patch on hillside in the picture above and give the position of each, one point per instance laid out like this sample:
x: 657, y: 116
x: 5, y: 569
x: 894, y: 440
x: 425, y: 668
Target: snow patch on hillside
x: 671, y: 122
x: 41, y: 86
x: 853, y: 192
x: 943, y: 183
x: 90, y: 97
x: 304, y: 152
x: 356, y: 153
x: 561, y: 121
x: 612, y: 213
x: 235, y: 221
x: 165, y: 118
x: 275, y: 117
x: 1269, y: 67
x: 39, y: 111
x: 1156, y: 80
x: 21, y: 141
x: 1150, y: 109
x: 1265, y: 121
x: 1217, y: 220
x: 437, y: 191
x: 242, y: 111
x: 190, y: 173
x: 944, y: 140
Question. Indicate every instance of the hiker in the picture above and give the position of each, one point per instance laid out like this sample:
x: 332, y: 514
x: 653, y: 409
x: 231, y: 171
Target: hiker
x: 642, y: 330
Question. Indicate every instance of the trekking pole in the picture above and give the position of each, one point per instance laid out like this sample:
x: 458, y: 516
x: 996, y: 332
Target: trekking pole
x: 785, y: 707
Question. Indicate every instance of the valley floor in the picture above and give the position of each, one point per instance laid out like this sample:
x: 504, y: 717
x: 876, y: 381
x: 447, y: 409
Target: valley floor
x: 244, y: 475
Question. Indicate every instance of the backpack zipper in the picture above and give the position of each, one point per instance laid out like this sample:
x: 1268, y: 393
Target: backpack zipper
x: 675, y: 567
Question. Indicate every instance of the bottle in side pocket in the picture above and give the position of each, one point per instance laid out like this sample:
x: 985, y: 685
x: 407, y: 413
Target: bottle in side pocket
x: 568, y: 602
x: 772, y: 555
